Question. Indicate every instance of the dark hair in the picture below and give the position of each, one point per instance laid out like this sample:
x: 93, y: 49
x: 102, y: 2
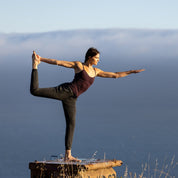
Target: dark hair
x: 90, y: 53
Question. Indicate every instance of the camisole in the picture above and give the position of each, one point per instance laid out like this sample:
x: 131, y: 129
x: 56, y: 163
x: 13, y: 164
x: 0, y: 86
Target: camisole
x: 81, y: 82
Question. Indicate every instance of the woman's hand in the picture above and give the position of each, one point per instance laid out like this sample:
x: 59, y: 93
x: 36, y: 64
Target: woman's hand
x: 38, y: 57
x: 137, y: 71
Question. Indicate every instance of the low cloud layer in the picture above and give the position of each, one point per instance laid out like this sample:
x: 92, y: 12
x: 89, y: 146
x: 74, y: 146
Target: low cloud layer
x: 140, y: 44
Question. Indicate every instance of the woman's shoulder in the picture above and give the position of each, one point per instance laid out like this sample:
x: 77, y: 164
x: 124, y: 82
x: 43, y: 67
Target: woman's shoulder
x: 97, y: 70
x: 78, y: 63
x: 78, y: 66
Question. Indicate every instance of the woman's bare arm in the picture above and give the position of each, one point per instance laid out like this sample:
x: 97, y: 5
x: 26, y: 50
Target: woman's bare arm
x: 104, y: 74
x: 69, y: 64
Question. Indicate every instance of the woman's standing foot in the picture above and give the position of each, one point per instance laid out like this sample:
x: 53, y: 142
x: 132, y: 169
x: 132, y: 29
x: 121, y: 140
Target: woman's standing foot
x: 69, y: 157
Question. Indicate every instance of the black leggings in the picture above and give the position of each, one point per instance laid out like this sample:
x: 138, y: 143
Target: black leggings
x: 64, y: 93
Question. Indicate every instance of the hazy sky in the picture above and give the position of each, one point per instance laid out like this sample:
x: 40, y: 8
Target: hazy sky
x: 120, y: 44
x: 46, y: 15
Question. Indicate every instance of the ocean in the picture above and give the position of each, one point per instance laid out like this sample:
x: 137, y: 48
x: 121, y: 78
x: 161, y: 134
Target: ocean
x: 133, y: 119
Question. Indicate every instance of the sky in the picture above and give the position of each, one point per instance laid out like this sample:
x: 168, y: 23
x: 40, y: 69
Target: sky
x: 18, y: 16
x: 142, y: 45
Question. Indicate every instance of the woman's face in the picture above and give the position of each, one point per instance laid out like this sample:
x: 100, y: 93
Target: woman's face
x: 95, y: 59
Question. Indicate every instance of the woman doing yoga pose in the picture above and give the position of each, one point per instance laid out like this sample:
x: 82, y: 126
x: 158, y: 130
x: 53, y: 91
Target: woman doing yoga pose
x: 68, y: 93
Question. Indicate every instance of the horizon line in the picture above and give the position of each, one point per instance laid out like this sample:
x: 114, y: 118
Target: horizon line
x: 90, y: 29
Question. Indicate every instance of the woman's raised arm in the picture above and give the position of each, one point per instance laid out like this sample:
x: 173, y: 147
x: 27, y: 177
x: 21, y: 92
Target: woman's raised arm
x: 68, y: 64
x: 104, y: 74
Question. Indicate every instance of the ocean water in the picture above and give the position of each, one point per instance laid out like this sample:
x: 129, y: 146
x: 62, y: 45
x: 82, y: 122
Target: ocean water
x: 133, y: 119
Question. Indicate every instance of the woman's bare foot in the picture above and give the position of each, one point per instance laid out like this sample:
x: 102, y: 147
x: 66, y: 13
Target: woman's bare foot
x: 35, y: 60
x: 69, y: 157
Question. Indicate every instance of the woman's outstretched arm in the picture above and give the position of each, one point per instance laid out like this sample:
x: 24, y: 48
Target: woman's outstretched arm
x: 104, y: 74
x: 68, y: 64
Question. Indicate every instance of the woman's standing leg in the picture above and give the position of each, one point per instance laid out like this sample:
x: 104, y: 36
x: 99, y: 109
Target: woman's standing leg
x: 69, y: 106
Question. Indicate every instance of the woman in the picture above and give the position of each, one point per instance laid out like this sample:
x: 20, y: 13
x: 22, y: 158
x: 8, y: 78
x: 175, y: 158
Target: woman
x: 68, y: 93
